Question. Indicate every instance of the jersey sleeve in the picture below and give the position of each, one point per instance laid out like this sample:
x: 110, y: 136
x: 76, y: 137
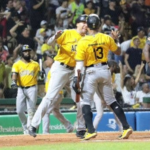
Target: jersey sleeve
x: 15, y: 68
x: 113, y: 46
x: 60, y: 39
x: 80, y: 51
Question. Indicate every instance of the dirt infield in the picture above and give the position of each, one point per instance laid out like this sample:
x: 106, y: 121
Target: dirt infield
x: 23, y: 140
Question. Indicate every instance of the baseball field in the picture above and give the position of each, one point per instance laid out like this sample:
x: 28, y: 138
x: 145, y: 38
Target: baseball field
x: 103, y: 141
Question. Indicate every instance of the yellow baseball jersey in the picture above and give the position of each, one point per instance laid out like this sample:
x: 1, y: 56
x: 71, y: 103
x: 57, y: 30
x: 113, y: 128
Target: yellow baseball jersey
x: 142, y: 44
x: 47, y: 82
x: 93, y: 49
x: 27, y: 73
x: 67, y: 47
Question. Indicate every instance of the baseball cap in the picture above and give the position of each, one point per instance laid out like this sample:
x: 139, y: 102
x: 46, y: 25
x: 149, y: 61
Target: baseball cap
x: 140, y: 29
x: 26, y: 48
x: 42, y: 30
x: 43, y: 22
x: 81, y: 18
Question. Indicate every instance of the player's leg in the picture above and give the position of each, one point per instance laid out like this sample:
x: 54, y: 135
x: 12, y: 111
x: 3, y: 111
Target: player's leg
x: 21, y: 108
x: 117, y: 120
x: 80, y: 123
x: 99, y: 110
x: 46, y: 123
x: 59, y: 116
x: 31, y: 94
x: 59, y: 77
x: 106, y: 89
x: 89, y: 88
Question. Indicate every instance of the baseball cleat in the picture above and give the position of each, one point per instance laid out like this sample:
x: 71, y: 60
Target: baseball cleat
x: 80, y: 134
x: 89, y: 135
x: 126, y: 133
x: 26, y: 132
x: 70, y: 128
x: 32, y: 131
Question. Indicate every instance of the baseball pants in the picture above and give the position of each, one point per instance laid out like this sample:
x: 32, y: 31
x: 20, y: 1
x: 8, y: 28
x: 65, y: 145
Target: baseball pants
x: 60, y: 76
x: 26, y: 100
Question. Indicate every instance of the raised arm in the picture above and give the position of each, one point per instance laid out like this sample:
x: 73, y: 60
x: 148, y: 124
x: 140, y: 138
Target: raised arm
x: 139, y: 74
x: 121, y: 74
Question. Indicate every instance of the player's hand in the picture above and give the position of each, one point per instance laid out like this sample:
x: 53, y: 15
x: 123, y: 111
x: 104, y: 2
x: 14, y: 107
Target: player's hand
x: 41, y: 75
x: 75, y: 85
x: 115, y: 34
x: 14, y: 85
x: 58, y: 34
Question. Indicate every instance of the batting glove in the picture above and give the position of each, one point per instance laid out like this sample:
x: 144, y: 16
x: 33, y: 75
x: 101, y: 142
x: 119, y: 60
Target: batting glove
x: 75, y: 85
x: 14, y: 85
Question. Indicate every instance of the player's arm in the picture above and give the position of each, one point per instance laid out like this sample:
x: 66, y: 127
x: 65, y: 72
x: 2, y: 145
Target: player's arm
x: 14, y: 80
x: 52, y: 40
x: 115, y: 36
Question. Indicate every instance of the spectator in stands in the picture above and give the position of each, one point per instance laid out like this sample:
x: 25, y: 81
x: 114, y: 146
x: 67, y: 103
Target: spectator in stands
x: 46, y: 47
x: 9, y: 92
x: 9, y: 5
x: 63, y: 12
x: 138, y: 14
x: 44, y: 25
x: 142, y: 38
x: 51, y: 12
x: 24, y: 37
x: 145, y: 92
x: 59, y: 25
x: 40, y: 41
x: 128, y: 84
x: 3, y: 52
x: 77, y: 8
x: 89, y: 8
x: 37, y: 9
x: 107, y: 26
x: 133, y: 56
x: 113, y: 11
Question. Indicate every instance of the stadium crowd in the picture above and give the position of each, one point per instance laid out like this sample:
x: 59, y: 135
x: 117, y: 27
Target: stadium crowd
x: 33, y: 22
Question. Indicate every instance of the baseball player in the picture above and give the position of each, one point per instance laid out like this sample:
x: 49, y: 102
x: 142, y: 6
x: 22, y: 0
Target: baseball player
x: 55, y: 109
x: 93, y: 55
x: 24, y: 75
x: 62, y: 72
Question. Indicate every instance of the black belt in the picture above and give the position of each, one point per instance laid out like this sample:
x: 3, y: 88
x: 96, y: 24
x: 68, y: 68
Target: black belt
x: 71, y: 68
x: 26, y: 87
x: 104, y: 63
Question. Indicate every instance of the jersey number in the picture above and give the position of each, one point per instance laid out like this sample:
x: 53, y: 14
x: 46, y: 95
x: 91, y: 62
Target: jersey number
x: 98, y: 52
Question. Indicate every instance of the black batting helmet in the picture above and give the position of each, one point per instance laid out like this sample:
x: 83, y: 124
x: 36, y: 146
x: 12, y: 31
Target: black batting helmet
x: 93, y: 22
x: 82, y: 18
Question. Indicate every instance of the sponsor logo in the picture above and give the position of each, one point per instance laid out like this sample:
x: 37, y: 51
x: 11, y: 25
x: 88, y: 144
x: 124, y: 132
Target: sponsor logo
x: 112, y: 124
x: 57, y: 127
x: 10, y: 129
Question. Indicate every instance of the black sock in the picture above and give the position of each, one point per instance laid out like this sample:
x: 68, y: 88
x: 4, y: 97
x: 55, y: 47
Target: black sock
x: 87, y: 114
x: 120, y: 114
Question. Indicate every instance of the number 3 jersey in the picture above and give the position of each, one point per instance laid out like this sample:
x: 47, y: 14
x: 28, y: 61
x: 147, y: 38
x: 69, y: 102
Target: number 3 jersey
x: 67, y: 43
x: 93, y: 49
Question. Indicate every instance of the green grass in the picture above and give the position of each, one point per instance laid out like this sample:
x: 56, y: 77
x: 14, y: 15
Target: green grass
x: 87, y: 146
